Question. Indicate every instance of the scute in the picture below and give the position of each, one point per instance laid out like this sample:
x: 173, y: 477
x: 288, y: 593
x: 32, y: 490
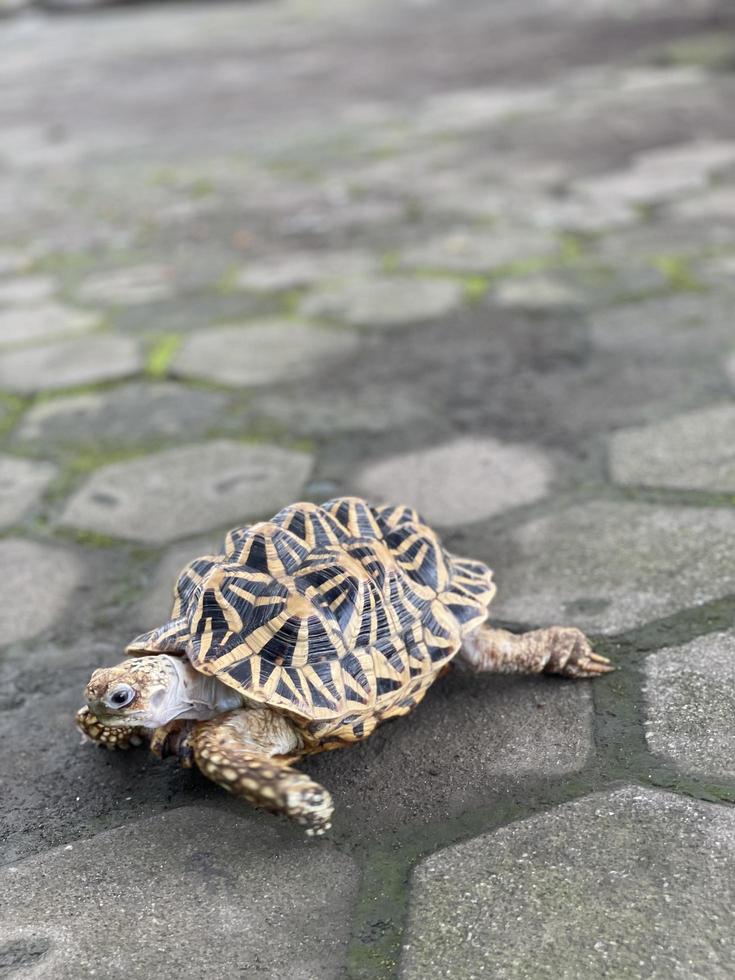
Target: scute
x: 338, y: 615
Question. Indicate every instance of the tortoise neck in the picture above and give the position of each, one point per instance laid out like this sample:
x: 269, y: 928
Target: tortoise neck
x: 195, y: 695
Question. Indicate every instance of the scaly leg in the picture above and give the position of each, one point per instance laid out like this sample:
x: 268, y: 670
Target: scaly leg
x: 239, y: 751
x: 557, y: 650
x: 119, y: 737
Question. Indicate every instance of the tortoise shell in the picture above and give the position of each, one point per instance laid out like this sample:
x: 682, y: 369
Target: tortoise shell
x: 338, y: 615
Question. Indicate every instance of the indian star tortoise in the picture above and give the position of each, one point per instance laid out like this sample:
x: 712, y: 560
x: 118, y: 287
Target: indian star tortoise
x: 302, y: 635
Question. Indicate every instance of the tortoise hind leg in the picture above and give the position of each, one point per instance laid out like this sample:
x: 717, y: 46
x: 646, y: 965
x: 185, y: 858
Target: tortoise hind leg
x: 239, y: 751
x: 560, y: 650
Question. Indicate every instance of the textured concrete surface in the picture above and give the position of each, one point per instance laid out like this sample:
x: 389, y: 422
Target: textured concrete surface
x: 631, y: 883
x: 97, y: 894
x: 383, y: 302
x: 215, y: 482
x: 23, y: 613
x: 478, y: 257
x: 21, y: 484
x: 610, y: 566
x: 695, y: 451
x: 690, y: 696
x: 262, y: 353
x: 463, y: 481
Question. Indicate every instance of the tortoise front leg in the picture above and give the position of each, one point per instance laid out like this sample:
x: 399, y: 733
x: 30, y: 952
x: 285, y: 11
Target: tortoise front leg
x: 239, y: 751
x: 119, y: 737
x: 556, y: 650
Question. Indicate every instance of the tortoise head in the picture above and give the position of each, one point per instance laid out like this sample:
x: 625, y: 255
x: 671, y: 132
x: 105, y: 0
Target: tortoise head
x: 139, y: 691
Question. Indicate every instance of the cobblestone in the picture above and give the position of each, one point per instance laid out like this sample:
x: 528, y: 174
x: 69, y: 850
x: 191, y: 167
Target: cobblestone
x: 29, y: 289
x: 689, y: 692
x: 478, y: 252
x: 124, y: 416
x: 183, y: 491
x: 22, y: 615
x: 384, y: 302
x: 262, y: 353
x: 607, y: 567
x: 45, y: 321
x: 139, y: 284
x: 695, y: 451
x: 479, y: 478
x: 633, y: 882
x: 102, y: 357
x: 304, y: 269
x: 22, y: 481
x: 220, y: 890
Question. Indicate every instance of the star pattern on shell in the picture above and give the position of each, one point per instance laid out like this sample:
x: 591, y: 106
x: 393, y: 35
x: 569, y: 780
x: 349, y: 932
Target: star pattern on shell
x: 339, y: 615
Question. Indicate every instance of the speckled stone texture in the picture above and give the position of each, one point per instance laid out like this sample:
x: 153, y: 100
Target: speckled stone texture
x: 691, y: 701
x: 463, y: 481
x: 22, y: 483
x: 22, y: 615
x: 216, y: 482
x: 695, y: 451
x: 96, y: 892
x: 103, y: 357
x: 629, y: 883
x: 608, y: 567
x: 262, y: 353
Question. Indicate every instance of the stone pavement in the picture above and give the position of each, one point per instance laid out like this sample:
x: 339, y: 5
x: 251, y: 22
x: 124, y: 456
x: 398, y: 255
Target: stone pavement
x: 479, y: 256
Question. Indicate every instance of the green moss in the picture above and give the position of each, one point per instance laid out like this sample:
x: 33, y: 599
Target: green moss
x: 227, y: 282
x: 390, y: 262
x: 714, y: 51
x: 678, y: 273
x: 161, y: 353
x: 202, y: 187
x: 475, y: 288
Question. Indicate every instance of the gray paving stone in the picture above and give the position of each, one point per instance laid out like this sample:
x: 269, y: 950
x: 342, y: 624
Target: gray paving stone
x: 640, y: 186
x: 630, y: 883
x: 607, y: 567
x: 193, y: 892
x: 99, y: 357
x: 384, y: 301
x: 717, y: 203
x: 22, y: 481
x: 128, y: 286
x: 180, y: 492
x: 464, y: 481
x: 473, y: 738
x: 690, y: 696
x: 22, y: 615
x: 718, y: 271
x: 28, y: 289
x: 291, y: 271
x: 45, y: 321
x: 326, y: 412
x: 155, y: 605
x: 661, y: 174
x: 700, y: 156
x: 478, y: 108
x: 686, y: 323
x: 536, y: 293
x: 695, y: 451
x: 13, y: 261
x: 465, y: 250
x: 262, y: 353
x: 124, y: 416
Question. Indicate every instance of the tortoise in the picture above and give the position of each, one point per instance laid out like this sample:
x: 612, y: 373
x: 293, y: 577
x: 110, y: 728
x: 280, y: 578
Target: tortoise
x: 303, y: 634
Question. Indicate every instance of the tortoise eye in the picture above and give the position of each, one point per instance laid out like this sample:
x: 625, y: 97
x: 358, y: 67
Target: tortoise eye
x: 121, y: 696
